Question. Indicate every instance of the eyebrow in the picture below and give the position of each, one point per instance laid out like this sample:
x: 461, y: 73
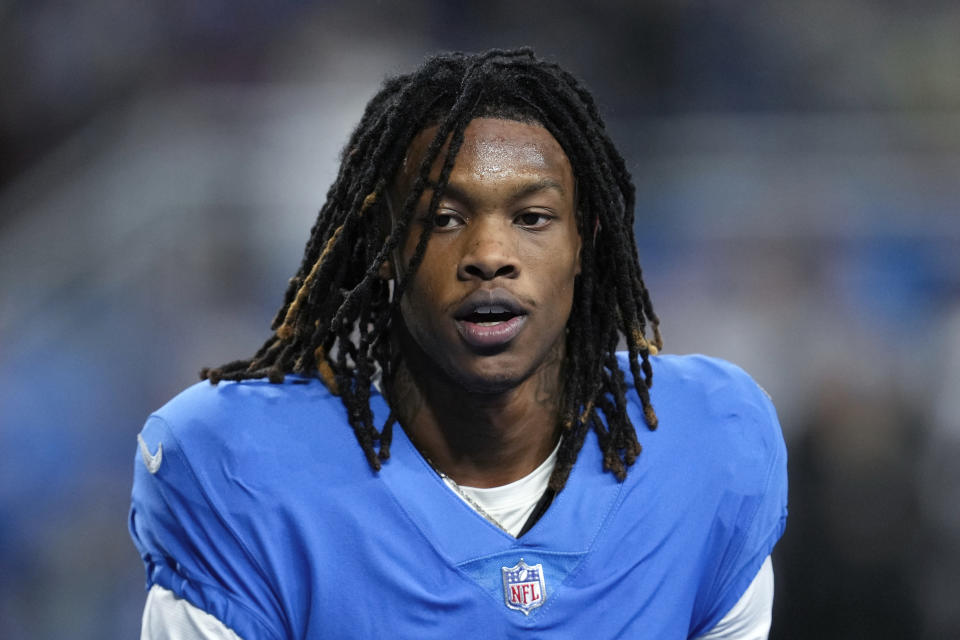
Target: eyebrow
x: 523, y: 190
x: 539, y: 185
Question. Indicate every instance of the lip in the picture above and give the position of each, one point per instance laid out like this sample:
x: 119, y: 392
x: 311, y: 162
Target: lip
x: 494, y: 334
x: 490, y: 336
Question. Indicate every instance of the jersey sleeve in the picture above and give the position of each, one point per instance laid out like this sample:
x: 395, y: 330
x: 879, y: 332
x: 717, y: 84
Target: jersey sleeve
x: 187, y: 545
x: 751, y: 508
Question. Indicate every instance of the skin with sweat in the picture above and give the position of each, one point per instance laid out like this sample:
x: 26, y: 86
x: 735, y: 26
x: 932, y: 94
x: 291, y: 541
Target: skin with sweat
x: 478, y: 394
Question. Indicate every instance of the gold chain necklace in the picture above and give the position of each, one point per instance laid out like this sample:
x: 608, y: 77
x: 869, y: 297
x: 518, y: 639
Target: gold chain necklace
x: 450, y: 482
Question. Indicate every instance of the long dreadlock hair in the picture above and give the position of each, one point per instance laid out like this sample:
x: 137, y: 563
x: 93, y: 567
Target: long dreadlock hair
x: 337, y: 310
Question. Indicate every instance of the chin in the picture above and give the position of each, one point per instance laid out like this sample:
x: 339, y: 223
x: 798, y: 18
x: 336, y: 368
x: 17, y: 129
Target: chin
x: 491, y: 385
x: 489, y: 377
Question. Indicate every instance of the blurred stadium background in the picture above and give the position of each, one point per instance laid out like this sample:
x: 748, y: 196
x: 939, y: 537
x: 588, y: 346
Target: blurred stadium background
x: 798, y: 170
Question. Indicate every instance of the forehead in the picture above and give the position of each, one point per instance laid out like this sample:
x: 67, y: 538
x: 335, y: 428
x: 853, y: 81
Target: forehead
x: 493, y: 148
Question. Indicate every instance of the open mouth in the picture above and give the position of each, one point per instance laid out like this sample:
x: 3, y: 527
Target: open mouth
x: 489, y: 315
x: 490, y: 325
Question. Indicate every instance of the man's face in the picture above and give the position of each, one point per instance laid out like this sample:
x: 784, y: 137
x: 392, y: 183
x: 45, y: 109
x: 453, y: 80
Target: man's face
x: 495, y: 288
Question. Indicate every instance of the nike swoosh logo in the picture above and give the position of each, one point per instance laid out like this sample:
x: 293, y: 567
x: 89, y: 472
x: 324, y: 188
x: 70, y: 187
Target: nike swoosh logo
x: 152, y: 460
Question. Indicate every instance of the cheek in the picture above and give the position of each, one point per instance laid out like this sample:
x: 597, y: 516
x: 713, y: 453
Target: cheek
x: 558, y: 271
x: 561, y: 262
x: 424, y: 299
x: 421, y: 325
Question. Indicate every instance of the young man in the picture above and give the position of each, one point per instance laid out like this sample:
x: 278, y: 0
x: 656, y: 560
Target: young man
x: 457, y: 314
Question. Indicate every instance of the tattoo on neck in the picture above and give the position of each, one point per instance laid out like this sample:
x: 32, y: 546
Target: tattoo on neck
x: 404, y: 396
x: 547, y: 392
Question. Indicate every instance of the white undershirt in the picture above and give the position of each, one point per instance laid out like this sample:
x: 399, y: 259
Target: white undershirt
x: 167, y: 617
x: 510, y: 504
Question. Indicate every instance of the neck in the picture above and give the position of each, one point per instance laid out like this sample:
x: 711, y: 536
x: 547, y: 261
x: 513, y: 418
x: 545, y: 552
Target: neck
x: 478, y: 439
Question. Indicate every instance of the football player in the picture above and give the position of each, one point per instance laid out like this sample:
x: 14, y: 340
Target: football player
x: 439, y: 438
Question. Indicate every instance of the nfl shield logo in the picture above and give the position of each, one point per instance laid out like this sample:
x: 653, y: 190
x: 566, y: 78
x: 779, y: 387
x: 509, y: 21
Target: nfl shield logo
x: 523, y: 586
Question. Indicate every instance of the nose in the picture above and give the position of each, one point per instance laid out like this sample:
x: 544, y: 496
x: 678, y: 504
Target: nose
x: 489, y: 253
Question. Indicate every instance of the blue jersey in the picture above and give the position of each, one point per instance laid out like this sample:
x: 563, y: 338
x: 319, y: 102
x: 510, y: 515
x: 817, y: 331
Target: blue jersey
x: 254, y: 502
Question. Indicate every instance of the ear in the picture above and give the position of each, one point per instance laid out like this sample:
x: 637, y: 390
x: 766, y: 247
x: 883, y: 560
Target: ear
x: 386, y: 270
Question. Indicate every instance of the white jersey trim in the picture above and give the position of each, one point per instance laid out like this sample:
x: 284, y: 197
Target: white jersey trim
x: 750, y: 618
x: 167, y: 617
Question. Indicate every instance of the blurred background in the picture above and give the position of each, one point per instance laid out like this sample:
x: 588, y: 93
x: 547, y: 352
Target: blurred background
x: 798, y: 174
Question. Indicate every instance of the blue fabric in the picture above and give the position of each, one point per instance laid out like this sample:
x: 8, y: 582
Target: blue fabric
x: 265, y: 514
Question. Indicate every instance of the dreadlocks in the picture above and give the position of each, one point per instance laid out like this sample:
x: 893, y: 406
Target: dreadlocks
x: 337, y: 311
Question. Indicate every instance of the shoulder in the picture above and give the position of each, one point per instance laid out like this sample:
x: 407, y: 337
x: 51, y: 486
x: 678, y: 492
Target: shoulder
x: 247, y: 424
x: 719, y: 450
x: 716, y: 412
x: 219, y: 470
x: 719, y: 385
x: 245, y: 442
x: 202, y: 408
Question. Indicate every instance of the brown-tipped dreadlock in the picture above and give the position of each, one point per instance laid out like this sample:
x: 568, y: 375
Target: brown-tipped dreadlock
x: 337, y: 308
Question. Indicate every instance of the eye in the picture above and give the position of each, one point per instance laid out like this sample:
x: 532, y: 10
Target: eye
x: 446, y: 221
x: 533, y: 219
